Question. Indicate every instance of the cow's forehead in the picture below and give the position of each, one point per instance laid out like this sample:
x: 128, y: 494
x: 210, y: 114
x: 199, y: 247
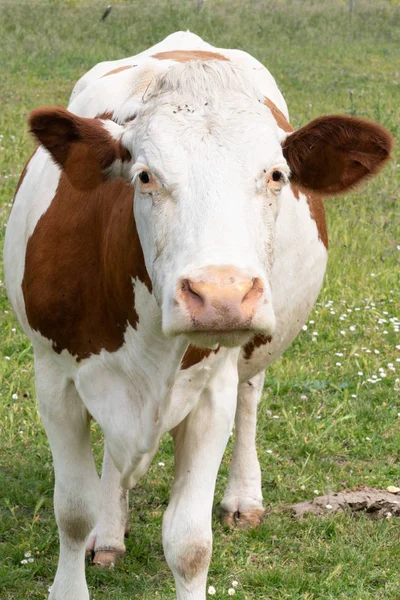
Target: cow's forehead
x: 181, y: 134
x: 198, y: 106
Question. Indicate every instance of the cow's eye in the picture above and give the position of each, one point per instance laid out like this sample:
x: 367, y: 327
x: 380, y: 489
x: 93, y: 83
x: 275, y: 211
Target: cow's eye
x: 144, y: 177
x: 277, y: 176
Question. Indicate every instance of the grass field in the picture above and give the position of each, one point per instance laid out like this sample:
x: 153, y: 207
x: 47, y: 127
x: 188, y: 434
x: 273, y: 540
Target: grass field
x: 334, y: 394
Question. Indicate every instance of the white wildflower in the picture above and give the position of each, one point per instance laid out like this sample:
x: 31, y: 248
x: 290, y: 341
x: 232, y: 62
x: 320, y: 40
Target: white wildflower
x: 211, y: 590
x: 231, y: 592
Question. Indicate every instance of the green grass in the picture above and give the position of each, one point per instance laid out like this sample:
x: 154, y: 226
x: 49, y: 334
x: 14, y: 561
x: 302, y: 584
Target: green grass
x: 335, y: 428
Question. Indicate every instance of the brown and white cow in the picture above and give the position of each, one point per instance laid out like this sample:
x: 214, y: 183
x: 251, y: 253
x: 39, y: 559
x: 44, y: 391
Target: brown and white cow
x: 171, y: 204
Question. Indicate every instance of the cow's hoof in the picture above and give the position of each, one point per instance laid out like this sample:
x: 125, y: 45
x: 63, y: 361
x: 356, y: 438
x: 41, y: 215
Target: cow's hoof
x: 106, y: 558
x: 242, y: 520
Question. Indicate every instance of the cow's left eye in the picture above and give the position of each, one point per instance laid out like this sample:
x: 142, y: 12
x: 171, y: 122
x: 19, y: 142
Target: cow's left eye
x: 277, y: 176
x: 144, y: 177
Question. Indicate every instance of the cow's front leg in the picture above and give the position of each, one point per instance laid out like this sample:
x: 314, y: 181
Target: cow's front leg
x: 77, y: 486
x: 200, y: 441
x: 242, y: 505
x: 106, y: 541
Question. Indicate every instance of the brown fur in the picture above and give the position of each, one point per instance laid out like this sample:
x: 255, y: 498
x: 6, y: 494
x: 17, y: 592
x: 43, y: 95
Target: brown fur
x: 317, y: 211
x: 278, y: 115
x: 194, y: 560
x: 255, y: 342
x: 188, y: 55
x: 332, y: 154
x: 80, y: 261
x: 195, y: 355
x: 109, y: 116
x: 106, y: 116
x: 118, y: 70
x: 82, y: 147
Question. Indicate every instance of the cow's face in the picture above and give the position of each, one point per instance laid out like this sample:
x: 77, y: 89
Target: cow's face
x: 210, y: 168
x: 208, y: 174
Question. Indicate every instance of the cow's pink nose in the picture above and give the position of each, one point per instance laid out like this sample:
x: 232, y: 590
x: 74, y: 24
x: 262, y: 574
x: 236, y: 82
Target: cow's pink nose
x: 222, y: 299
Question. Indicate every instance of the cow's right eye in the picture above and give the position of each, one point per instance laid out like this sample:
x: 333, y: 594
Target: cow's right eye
x: 144, y: 177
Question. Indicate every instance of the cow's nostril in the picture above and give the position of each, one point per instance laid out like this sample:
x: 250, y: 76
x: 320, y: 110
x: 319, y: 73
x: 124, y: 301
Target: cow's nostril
x: 255, y: 292
x: 191, y: 295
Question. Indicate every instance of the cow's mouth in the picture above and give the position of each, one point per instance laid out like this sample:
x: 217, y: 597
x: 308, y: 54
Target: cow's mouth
x: 229, y: 338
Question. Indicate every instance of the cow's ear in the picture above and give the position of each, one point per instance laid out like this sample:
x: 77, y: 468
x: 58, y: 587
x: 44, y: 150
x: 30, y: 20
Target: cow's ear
x: 332, y: 154
x: 84, y: 148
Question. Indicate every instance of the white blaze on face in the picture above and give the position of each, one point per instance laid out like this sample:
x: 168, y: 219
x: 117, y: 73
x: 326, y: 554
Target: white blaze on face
x: 208, y: 171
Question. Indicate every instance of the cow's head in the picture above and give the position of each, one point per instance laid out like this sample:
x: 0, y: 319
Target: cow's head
x: 209, y: 165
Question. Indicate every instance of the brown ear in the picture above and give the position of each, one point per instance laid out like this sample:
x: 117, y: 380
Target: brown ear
x: 331, y: 154
x: 82, y: 147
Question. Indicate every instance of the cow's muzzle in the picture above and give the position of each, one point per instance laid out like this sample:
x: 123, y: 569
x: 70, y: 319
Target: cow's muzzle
x: 221, y: 303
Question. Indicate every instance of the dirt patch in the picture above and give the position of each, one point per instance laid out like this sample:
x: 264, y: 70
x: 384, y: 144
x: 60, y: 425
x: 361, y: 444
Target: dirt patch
x: 378, y: 504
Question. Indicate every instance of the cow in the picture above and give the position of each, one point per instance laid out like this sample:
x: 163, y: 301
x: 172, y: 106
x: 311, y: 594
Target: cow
x: 166, y: 243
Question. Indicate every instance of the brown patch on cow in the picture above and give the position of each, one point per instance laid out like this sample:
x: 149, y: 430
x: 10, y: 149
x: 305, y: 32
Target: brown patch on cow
x: 79, y: 266
x: 278, y: 115
x: 255, y: 342
x: 117, y: 70
x: 188, y: 55
x: 75, y: 527
x: 109, y: 116
x: 82, y: 147
x: 22, y: 176
x: 194, y: 560
x: 194, y: 355
x: 317, y: 211
x: 332, y: 154
x: 106, y: 116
